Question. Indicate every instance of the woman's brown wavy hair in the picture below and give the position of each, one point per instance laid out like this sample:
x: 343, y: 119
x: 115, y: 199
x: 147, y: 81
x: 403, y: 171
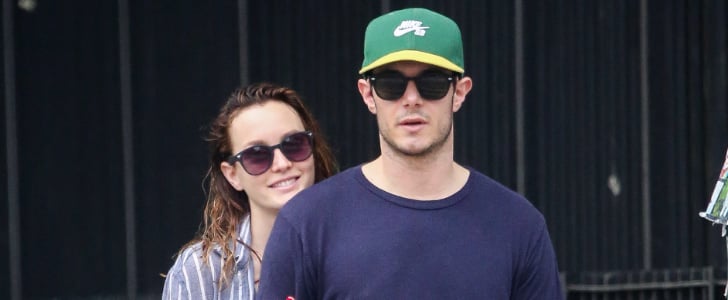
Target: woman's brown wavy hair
x: 226, y: 206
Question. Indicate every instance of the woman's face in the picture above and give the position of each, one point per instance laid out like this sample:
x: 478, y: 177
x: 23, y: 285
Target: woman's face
x: 267, y: 125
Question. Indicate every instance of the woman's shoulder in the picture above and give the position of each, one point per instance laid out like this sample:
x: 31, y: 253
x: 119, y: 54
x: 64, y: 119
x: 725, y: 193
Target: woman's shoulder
x: 193, y: 250
x: 193, y: 261
x: 187, y: 257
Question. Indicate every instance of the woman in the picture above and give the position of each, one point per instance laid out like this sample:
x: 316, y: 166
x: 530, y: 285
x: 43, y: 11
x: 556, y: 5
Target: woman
x: 265, y: 146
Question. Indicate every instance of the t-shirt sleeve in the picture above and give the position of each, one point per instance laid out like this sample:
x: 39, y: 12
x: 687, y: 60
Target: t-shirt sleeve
x: 284, y: 272
x: 539, y: 274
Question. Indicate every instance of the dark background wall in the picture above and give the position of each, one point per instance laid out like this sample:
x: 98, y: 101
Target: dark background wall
x: 610, y: 116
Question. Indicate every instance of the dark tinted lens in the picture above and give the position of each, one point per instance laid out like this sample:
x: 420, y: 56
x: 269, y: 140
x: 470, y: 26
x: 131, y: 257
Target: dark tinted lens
x: 433, y: 85
x: 297, y: 147
x: 390, y: 85
x: 257, y: 159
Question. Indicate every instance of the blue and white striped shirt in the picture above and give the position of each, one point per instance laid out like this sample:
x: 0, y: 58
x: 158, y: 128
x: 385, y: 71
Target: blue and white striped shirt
x: 191, y: 278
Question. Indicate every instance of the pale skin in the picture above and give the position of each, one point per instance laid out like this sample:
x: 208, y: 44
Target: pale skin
x: 416, y: 139
x: 266, y: 124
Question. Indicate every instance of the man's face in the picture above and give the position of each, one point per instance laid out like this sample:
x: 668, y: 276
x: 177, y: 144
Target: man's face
x: 412, y: 125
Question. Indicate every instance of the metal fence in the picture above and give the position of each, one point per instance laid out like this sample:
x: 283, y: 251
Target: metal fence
x: 679, y: 284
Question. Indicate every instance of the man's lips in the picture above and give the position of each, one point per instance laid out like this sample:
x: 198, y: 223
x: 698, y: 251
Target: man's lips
x: 412, y: 121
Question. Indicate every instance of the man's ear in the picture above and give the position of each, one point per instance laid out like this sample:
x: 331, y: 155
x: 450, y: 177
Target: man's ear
x: 462, y: 88
x: 230, y: 173
x: 365, y: 89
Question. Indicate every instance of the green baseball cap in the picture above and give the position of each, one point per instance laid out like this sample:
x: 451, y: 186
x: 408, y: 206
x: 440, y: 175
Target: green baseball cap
x: 414, y: 34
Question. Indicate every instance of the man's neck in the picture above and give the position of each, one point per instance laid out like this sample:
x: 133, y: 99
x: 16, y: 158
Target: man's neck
x: 431, y: 177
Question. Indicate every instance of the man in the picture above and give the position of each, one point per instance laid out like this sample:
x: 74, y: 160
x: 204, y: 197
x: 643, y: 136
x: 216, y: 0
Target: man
x: 412, y: 224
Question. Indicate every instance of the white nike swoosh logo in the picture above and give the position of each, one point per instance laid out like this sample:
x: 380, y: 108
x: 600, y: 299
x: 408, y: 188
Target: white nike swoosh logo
x: 399, y: 31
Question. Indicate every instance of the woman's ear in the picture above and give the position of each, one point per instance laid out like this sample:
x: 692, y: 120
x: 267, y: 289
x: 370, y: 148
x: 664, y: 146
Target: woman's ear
x: 230, y: 173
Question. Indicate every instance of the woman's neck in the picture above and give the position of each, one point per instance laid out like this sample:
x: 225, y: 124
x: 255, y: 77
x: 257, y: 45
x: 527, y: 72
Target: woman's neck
x: 261, y: 224
x: 260, y: 227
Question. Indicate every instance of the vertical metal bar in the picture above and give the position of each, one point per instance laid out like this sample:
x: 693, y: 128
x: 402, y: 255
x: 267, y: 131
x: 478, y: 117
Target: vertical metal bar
x: 520, y: 146
x: 385, y: 6
x: 11, y: 147
x: 128, y: 149
x: 708, y: 271
x: 643, y: 292
x: 630, y: 280
x: 243, y: 42
x: 645, y: 118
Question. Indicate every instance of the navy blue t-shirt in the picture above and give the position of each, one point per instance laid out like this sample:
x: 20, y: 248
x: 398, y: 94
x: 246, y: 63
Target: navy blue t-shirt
x: 344, y: 238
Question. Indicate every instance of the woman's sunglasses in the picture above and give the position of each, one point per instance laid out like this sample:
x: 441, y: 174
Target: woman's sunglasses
x: 258, y: 159
x: 431, y: 84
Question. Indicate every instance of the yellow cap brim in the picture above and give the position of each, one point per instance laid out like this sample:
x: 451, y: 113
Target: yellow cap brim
x: 413, y: 55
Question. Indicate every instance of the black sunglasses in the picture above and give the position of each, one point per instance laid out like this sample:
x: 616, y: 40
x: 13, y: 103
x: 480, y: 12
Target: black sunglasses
x: 431, y: 84
x: 257, y: 159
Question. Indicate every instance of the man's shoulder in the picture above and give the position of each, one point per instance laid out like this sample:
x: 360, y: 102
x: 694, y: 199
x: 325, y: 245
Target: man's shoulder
x: 508, y: 200
x: 321, y: 203
x: 485, y: 182
x: 328, y: 187
x: 321, y: 194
